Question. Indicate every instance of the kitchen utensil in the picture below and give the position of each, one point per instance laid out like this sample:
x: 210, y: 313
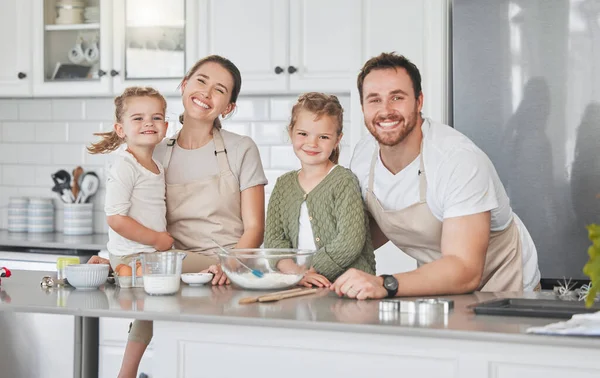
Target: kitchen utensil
x: 439, y: 305
x: 89, y: 187
x: 77, y: 172
x: 277, y: 297
x: 255, y: 272
x: 196, y: 279
x: 537, y: 308
x: 162, y: 272
x: 281, y: 268
x: 62, y: 185
x: 86, y: 276
x: 248, y: 300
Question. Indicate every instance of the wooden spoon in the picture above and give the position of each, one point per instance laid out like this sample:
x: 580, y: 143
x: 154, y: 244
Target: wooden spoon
x: 77, y: 172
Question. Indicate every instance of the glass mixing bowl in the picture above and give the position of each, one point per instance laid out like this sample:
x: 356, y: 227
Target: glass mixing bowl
x: 280, y: 267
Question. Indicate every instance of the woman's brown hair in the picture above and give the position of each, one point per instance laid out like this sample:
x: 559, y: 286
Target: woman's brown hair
x: 320, y: 104
x: 111, y: 141
x: 226, y: 64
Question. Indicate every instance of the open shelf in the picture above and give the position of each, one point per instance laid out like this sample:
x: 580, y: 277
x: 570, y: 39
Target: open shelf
x: 93, y: 26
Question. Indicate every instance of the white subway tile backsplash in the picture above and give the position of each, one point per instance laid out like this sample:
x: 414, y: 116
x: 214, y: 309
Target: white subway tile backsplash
x: 281, y: 108
x: 237, y: 127
x: 18, y: 132
x: 100, y: 225
x: 269, y: 133
x: 8, y: 153
x: 18, y: 175
x: 83, y: 132
x: 35, y: 110
x: 99, y: 109
x: 68, y: 110
x: 283, y: 157
x: 9, y: 110
x: 51, y: 132
x: 34, y: 153
x: 265, y: 156
x: 252, y: 109
x: 67, y: 154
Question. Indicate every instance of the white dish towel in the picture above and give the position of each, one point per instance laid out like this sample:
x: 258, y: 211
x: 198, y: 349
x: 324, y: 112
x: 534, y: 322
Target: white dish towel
x: 578, y: 325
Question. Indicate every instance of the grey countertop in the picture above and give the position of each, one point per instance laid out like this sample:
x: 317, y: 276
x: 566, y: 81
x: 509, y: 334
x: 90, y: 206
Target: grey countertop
x: 322, y: 311
x: 55, y: 240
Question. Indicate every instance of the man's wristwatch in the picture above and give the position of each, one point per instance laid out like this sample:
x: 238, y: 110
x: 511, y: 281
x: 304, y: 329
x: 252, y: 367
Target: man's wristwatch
x: 390, y: 283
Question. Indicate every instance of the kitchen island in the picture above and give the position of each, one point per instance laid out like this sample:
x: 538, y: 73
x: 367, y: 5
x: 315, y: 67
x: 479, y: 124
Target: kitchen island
x: 204, y: 331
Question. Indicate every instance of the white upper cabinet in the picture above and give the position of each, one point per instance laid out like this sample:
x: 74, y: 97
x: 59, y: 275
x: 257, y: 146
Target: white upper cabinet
x: 150, y: 43
x: 325, y: 44
x: 283, y: 46
x: 72, y: 48
x: 253, y: 35
x: 15, y: 44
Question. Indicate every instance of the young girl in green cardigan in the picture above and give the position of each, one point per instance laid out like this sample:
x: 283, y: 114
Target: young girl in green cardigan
x: 320, y: 206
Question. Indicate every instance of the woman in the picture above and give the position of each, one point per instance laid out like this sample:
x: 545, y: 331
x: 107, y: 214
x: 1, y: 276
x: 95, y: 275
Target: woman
x: 215, y: 183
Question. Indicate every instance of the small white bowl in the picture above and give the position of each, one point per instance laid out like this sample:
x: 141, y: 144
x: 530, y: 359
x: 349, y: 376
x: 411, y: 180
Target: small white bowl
x: 86, y: 276
x: 196, y: 279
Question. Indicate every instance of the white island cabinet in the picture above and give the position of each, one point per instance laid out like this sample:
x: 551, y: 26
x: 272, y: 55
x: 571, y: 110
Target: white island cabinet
x: 204, y: 332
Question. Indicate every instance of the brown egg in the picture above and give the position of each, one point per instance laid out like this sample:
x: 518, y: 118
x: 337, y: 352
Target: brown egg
x: 124, y: 271
x: 138, y: 271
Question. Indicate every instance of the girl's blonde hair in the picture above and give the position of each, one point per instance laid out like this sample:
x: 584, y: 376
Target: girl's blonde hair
x: 320, y: 104
x: 111, y: 141
x: 226, y: 64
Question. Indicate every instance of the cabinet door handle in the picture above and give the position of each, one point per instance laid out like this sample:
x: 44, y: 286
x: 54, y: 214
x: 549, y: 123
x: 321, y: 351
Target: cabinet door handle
x: 143, y: 375
x: 278, y: 70
x: 101, y: 73
x: 114, y: 73
x: 292, y: 69
x: 22, y: 75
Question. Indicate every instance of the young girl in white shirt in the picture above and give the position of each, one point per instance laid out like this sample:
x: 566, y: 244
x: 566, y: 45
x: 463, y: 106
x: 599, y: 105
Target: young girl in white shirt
x: 135, y: 189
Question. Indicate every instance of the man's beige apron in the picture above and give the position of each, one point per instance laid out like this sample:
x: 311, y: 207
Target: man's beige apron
x: 203, y: 210
x: 418, y: 233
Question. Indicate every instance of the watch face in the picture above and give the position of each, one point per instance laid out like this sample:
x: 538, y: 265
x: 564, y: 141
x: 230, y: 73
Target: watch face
x: 390, y: 283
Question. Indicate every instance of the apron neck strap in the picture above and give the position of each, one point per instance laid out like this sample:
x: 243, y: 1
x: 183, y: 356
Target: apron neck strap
x: 220, y: 151
x: 422, y: 177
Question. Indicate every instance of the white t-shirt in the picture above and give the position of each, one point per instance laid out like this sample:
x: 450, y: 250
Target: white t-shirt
x: 134, y: 191
x: 461, y: 180
x: 306, y: 238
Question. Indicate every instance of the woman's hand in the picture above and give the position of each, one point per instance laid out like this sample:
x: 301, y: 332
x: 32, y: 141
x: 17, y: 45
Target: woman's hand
x: 220, y: 278
x: 164, y: 241
x: 312, y: 278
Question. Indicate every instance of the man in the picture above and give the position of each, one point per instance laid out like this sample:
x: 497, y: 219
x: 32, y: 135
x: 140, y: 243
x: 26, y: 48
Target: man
x: 434, y: 194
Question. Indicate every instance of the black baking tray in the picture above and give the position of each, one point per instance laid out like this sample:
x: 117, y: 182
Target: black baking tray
x: 537, y: 308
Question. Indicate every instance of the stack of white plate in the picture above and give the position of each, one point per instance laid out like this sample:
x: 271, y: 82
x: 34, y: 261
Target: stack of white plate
x: 91, y: 15
x: 69, y: 12
x: 40, y: 215
x: 17, y: 214
x: 78, y: 219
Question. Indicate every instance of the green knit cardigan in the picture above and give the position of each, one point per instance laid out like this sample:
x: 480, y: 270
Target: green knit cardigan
x: 338, y: 217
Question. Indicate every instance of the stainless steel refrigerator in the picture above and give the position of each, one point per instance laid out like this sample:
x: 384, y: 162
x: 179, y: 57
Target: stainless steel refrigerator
x: 526, y: 89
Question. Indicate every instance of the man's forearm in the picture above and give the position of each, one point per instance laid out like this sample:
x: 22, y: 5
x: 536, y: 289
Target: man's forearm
x: 448, y: 275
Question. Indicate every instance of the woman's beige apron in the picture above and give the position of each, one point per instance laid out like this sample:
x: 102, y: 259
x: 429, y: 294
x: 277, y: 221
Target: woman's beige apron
x: 203, y: 210
x: 418, y: 233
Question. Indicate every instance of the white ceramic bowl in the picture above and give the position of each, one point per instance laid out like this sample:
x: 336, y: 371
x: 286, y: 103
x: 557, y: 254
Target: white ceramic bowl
x: 86, y: 276
x: 196, y: 278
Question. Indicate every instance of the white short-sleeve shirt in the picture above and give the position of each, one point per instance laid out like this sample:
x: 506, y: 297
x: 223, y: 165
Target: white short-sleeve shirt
x: 461, y: 180
x: 134, y: 191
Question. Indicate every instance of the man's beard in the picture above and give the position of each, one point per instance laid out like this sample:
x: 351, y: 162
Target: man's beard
x: 407, y: 125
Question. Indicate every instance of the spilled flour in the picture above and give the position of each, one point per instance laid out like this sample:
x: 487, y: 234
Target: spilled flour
x: 268, y: 281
